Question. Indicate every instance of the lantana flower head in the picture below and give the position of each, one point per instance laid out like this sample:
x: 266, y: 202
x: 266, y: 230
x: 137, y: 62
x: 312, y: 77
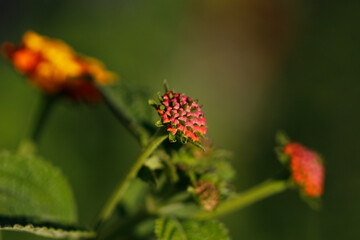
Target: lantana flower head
x: 182, y: 117
x: 307, y: 169
x: 55, y: 68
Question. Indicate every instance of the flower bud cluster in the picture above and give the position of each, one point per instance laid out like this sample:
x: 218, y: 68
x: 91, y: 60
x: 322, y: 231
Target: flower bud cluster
x: 307, y: 168
x: 182, y: 116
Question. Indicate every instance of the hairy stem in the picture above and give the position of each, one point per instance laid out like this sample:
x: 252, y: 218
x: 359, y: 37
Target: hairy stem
x: 125, y: 118
x: 253, y: 195
x: 109, y: 207
x: 43, y: 113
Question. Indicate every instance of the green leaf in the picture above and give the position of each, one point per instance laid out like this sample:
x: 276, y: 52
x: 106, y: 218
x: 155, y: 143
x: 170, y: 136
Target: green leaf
x: 154, y: 163
x: 174, y: 229
x: 281, y: 156
x: 282, y: 138
x: 172, y: 138
x: 31, y: 187
x: 136, y: 102
x: 43, y: 229
x: 148, y: 175
x: 159, y: 123
x: 199, y: 145
x: 150, y: 170
x: 133, y: 199
x: 152, y: 102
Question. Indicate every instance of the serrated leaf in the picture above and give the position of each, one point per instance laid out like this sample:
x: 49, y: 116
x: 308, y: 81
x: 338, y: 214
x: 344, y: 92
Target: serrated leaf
x: 43, y: 229
x: 212, y: 166
x: 174, y: 229
x: 136, y: 101
x: 31, y: 187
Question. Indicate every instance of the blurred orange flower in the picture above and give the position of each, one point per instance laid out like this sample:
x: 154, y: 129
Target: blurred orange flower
x: 55, y: 68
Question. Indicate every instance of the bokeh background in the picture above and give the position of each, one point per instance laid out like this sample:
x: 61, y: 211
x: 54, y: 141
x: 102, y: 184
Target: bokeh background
x: 257, y: 66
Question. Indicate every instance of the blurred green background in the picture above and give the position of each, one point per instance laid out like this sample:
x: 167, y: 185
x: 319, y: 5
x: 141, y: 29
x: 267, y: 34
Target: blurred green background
x: 257, y: 66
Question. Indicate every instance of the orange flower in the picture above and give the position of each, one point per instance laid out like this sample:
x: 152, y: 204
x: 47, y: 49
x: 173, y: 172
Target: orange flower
x: 55, y: 68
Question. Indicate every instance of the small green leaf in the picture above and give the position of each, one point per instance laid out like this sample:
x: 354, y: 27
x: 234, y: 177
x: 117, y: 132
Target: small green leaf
x: 43, y: 229
x: 159, y: 123
x: 282, y: 157
x: 172, y: 138
x: 154, y: 163
x: 314, y: 203
x: 32, y: 187
x: 152, y: 103
x: 174, y: 229
x: 159, y: 96
x: 166, y: 85
x: 282, y: 138
x: 199, y: 145
x: 147, y: 175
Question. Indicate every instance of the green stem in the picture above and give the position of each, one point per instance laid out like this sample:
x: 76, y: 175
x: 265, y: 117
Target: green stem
x: 124, y: 117
x: 109, y: 207
x: 253, y: 195
x: 46, y: 105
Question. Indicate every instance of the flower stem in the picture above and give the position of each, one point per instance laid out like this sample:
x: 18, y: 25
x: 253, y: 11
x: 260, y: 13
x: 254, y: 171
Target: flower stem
x: 253, y: 195
x: 46, y: 104
x: 109, y: 207
x: 124, y: 117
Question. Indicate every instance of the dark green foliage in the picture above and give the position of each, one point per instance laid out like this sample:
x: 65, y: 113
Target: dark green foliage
x: 174, y: 229
x: 135, y: 100
x: 44, y: 229
x: 212, y: 166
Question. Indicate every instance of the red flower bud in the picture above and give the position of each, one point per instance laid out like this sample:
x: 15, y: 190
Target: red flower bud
x: 307, y: 169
